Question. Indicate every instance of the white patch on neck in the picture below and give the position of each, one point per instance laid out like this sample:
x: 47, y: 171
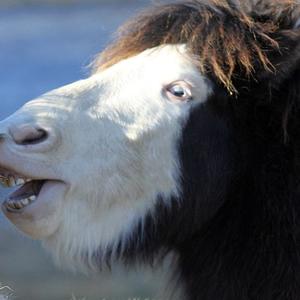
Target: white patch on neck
x: 171, y: 286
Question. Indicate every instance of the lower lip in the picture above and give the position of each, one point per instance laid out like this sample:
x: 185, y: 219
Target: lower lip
x: 49, y: 188
x: 41, y: 218
x: 18, y: 210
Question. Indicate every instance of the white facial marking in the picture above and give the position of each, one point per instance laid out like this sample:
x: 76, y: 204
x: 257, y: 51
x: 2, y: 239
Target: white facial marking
x: 117, y: 153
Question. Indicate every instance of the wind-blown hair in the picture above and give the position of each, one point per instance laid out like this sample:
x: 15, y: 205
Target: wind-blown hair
x: 225, y: 37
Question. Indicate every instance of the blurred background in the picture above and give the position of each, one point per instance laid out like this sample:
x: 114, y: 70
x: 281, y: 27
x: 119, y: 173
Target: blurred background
x: 46, y: 44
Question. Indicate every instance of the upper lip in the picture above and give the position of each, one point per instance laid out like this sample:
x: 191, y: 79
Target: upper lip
x: 13, y: 180
x: 10, y: 178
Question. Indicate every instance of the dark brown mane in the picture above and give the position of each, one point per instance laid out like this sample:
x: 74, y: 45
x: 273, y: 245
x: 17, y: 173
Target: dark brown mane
x: 225, y: 36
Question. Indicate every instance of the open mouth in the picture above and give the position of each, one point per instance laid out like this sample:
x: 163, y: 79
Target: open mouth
x: 27, y: 192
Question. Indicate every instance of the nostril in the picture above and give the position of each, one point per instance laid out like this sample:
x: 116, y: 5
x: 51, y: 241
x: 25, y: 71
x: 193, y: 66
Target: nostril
x: 28, y: 135
x: 35, y: 138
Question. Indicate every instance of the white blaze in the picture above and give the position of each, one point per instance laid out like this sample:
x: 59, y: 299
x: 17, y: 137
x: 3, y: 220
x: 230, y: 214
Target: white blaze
x: 118, y: 150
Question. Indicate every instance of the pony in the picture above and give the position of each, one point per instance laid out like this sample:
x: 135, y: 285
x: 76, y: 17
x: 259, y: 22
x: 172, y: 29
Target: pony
x: 184, y: 141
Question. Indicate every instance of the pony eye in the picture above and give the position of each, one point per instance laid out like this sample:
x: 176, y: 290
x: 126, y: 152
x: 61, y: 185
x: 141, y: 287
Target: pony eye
x: 179, y: 91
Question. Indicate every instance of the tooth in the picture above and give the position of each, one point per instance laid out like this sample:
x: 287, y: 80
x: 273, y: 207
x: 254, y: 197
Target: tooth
x: 18, y: 205
x: 25, y: 201
x: 13, y: 205
x: 32, y: 198
x: 11, y: 181
x: 10, y: 203
x: 20, y: 181
x: 5, y: 182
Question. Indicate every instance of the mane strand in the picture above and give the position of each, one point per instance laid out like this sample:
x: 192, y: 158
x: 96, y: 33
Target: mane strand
x: 242, y: 32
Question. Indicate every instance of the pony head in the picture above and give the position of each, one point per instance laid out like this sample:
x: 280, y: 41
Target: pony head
x: 183, y: 139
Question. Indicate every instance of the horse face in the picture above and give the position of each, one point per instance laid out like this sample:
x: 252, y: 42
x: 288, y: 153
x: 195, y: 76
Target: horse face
x: 100, y: 151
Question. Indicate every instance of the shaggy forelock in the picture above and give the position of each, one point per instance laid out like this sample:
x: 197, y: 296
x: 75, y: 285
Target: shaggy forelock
x: 224, y: 36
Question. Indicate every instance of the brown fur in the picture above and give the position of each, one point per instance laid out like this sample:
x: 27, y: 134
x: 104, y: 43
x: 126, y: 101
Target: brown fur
x: 213, y: 30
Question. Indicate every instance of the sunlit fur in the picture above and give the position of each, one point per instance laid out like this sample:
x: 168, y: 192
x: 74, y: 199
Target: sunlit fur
x: 129, y: 132
x: 212, y: 179
x: 210, y: 30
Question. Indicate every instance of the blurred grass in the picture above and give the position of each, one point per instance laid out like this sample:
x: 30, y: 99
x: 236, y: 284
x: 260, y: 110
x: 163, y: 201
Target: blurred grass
x: 28, y: 273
